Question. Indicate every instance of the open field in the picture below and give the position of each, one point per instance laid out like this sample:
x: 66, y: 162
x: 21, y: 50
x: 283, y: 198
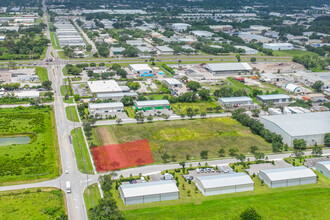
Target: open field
x: 181, y: 108
x: 36, y: 160
x: 183, y: 137
x: 71, y: 113
x: 292, y: 53
x: 307, y: 201
x: 42, y: 73
x: 44, y: 203
x: 92, y: 196
x: 81, y: 151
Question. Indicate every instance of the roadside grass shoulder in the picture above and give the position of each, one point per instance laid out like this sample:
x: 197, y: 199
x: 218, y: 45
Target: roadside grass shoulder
x: 81, y: 151
x: 92, y: 196
x: 71, y: 113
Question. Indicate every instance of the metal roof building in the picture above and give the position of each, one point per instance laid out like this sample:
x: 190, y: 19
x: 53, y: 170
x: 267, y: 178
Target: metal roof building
x: 278, y: 46
x: 235, y: 101
x: 140, y: 68
x: 293, y: 88
x: 311, y: 127
x: 148, y: 192
x: 152, y: 104
x: 274, y: 98
x: 170, y: 82
x: 116, y: 96
x: 323, y: 167
x: 218, y: 68
x: 291, y: 176
x: 248, y: 50
x: 104, y: 86
x: 224, y: 183
x: 165, y: 49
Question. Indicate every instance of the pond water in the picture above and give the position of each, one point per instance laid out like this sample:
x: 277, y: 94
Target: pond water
x: 5, y: 141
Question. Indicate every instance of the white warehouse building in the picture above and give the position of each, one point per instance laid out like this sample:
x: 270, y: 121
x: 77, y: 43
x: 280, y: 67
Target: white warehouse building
x: 227, y: 68
x: 310, y: 127
x: 323, y: 167
x: 291, y: 176
x: 148, y: 192
x: 224, y: 183
x: 293, y: 88
x: 140, y: 68
x: 180, y: 26
x: 105, y: 109
x: 278, y: 46
x: 235, y: 101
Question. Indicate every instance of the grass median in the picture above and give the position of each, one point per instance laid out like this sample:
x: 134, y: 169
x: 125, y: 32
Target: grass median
x: 92, y: 196
x: 81, y: 151
x: 71, y: 113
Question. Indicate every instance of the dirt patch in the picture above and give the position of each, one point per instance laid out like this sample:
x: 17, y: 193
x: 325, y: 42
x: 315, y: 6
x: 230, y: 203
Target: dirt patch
x: 106, y: 136
x: 288, y: 67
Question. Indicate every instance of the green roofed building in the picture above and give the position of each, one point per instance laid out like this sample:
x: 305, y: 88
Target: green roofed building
x: 152, y: 105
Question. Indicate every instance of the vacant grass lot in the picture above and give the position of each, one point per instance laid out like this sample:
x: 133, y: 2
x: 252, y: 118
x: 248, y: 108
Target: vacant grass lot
x: 307, y: 201
x: 92, y: 196
x: 45, y: 203
x: 81, y: 151
x: 71, y: 113
x: 42, y: 73
x: 183, y: 137
x: 291, y: 53
x: 181, y: 108
x: 38, y: 159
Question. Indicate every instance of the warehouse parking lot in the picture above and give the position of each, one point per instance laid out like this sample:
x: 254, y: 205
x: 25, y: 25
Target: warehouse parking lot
x: 255, y: 168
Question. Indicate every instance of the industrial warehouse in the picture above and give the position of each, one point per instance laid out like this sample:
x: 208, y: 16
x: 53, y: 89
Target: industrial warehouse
x: 104, y: 109
x: 148, y: 192
x: 228, y: 68
x: 323, y: 167
x: 311, y: 127
x: 224, y: 183
x: 274, y: 98
x: 152, y: 104
x: 291, y: 176
x: 235, y: 101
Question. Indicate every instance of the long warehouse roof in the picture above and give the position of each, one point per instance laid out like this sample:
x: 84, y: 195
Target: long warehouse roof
x: 288, y: 173
x: 152, y: 102
x: 224, y: 180
x: 106, y: 105
x: 215, y: 67
x: 149, y: 188
x: 301, y: 124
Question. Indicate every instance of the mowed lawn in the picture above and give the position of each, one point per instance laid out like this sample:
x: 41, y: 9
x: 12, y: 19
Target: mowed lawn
x: 182, y: 137
x: 42, y: 73
x: 46, y: 203
x: 71, y: 113
x: 92, y: 196
x: 37, y: 160
x: 312, y: 203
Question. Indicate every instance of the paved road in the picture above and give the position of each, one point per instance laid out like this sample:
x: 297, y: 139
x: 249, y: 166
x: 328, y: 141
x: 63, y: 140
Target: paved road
x: 94, y: 50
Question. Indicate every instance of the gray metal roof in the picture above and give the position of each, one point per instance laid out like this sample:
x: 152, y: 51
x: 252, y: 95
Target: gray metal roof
x: 106, y: 105
x: 149, y: 188
x: 223, y: 180
x: 164, y: 49
x: 288, y: 173
x: 273, y: 96
x: 326, y: 164
x: 119, y: 94
x: 301, y: 124
x: 215, y: 67
x: 152, y: 103
x: 235, y: 99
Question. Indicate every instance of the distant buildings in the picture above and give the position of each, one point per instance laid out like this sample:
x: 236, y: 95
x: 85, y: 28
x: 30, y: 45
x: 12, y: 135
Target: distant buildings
x: 228, y: 68
x: 165, y: 50
x: 248, y: 50
x: 235, y: 101
x: 247, y: 37
x: 180, y: 26
x: 278, y: 46
x: 221, y: 27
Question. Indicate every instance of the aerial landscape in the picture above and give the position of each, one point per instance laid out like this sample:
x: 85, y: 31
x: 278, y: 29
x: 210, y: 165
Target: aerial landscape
x: 161, y: 109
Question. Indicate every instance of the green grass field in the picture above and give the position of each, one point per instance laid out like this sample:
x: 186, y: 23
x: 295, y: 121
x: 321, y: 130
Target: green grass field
x: 65, y: 89
x: 69, y: 101
x: 54, y: 40
x: 92, y: 196
x: 307, y: 201
x: 71, y: 113
x: 81, y: 151
x: 37, y: 160
x: 45, y: 203
x: 292, y: 53
x: 130, y: 112
x: 183, y: 137
x: 42, y: 73
x: 181, y: 108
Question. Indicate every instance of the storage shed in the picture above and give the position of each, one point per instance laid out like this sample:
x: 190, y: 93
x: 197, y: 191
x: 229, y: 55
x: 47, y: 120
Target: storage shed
x: 224, y: 183
x: 323, y: 167
x: 170, y: 82
x: 291, y: 176
x: 148, y: 192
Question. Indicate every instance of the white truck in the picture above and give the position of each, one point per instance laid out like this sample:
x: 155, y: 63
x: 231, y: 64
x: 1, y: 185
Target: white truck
x: 68, y: 187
